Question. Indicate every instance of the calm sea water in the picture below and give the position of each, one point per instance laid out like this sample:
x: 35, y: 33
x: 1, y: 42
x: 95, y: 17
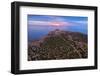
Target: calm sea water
x: 36, y: 32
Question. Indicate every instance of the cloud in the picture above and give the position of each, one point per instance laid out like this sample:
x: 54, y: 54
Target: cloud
x: 46, y: 23
x: 55, y: 23
x: 38, y: 22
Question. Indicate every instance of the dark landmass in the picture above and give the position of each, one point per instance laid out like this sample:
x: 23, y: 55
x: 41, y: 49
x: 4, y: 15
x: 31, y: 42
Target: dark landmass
x: 59, y: 44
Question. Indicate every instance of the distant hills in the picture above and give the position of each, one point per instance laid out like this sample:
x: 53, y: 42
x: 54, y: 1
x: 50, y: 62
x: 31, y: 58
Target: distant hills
x: 59, y: 44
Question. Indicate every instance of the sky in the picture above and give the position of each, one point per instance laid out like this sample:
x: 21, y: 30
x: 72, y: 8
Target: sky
x: 50, y: 20
x: 41, y: 25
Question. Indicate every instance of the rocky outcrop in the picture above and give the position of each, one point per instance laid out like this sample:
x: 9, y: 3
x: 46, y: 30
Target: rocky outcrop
x: 59, y: 44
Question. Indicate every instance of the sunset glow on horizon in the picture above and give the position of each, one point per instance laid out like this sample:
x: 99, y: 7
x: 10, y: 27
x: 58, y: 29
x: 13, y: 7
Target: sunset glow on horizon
x: 57, y: 24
